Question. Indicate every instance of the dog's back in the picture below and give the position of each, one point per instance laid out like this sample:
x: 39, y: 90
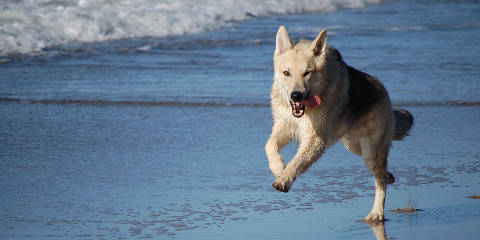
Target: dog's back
x: 365, y: 92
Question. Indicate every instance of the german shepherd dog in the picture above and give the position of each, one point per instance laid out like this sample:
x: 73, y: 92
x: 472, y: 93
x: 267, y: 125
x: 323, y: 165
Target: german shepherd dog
x: 317, y: 99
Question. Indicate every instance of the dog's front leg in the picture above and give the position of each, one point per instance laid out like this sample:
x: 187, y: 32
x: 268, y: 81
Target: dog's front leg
x: 278, y: 139
x: 309, y: 151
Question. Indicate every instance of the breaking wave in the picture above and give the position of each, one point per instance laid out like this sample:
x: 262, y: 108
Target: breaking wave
x: 30, y: 25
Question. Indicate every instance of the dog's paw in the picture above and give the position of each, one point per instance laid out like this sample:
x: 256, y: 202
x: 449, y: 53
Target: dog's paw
x: 375, y: 217
x: 282, y: 185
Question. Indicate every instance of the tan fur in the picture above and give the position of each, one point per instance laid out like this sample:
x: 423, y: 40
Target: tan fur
x: 365, y: 129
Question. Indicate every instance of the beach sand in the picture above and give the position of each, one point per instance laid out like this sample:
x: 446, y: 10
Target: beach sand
x: 112, y: 172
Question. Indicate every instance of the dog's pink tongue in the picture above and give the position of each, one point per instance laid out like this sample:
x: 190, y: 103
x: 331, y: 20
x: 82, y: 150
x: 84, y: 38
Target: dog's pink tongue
x: 312, y: 102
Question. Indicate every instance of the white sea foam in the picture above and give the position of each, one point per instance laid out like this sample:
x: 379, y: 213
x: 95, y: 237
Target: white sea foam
x: 31, y: 25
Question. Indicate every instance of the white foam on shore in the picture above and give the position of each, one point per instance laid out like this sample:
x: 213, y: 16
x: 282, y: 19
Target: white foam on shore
x: 31, y: 25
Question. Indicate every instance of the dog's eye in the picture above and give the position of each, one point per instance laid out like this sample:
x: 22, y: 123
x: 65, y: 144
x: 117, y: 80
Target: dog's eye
x: 306, y: 74
x: 286, y: 73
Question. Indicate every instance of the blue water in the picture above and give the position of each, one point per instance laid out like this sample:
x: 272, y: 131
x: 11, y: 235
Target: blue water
x: 163, y: 137
x: 422, y: 52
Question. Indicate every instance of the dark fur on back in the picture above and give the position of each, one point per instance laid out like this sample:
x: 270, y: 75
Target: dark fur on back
x: 364, y: 92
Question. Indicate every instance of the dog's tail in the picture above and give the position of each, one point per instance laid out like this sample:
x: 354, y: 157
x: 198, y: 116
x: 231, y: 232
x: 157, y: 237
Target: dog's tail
x: 389, y: 178
x: 403, y: 123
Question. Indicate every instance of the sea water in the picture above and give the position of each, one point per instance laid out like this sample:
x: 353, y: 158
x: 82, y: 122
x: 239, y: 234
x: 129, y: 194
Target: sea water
x: 148, y: 119
x: 427, y: 57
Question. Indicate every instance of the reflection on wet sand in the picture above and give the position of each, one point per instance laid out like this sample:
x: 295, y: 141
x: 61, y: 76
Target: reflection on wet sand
x: 378, y: 229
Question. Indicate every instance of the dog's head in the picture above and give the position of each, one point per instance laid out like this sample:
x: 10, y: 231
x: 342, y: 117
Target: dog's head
x: 299, y: 70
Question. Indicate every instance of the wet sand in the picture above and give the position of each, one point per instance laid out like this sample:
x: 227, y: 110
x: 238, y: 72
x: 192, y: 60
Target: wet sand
x: 113, y: 172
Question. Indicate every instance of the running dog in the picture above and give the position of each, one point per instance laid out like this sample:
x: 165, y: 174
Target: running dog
x: 317, y: 99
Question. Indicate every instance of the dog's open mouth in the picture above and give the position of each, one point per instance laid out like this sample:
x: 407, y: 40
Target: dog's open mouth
x: 298, y: 108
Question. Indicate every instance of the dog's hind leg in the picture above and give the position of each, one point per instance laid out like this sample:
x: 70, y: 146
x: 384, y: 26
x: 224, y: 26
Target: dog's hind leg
x: 354, y: 147
x: 375, y: 157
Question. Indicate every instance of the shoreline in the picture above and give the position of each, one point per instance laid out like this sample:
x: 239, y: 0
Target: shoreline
x: 207, y: 104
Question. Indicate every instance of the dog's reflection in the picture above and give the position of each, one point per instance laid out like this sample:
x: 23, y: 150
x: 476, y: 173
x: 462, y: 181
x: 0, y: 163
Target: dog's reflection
x: 378, y: 229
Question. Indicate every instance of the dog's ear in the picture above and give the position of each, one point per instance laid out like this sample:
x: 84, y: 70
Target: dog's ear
x: 319, y: 45
x: 283, y: 41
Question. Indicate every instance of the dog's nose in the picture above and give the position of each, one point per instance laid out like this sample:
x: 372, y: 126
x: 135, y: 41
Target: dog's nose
x: 296, y: 96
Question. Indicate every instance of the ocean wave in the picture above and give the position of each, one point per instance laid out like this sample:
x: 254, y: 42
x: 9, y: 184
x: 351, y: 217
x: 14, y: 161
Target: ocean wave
x: 28, y: 26
x: 210, y: 104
